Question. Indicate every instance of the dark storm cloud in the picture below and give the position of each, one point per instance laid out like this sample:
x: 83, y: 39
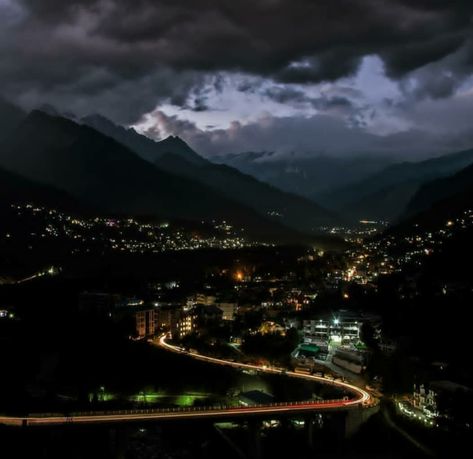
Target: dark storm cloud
x: 318, y: 134
x: 288, y: 95
x: 90, y: 50
x: 326, y: 103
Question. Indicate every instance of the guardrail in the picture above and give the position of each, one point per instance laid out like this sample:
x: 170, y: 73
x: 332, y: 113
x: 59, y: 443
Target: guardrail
x: 363, y: 400
x: 209, y: 409
x: 91, y: 417
x: 36, y: 419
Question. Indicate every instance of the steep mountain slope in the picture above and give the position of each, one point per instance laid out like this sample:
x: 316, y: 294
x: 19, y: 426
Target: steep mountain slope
x: 179, y: 159
x: 102, y: 172
x: 142, y: 145
x: 292, y: 210
x: 15, y: 189
x: 10, y: 117
x: 385, y: 194
x: 457, y: 187
x: 310, y: 176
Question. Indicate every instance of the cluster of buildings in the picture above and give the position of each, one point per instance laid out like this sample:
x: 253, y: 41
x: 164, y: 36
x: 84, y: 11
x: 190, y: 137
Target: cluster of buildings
x: 126, y: 235
x: 152, y: 318
x: 434, y: 402
x: 335, y: 338
x: 358, y: 233
x: 393, y: 252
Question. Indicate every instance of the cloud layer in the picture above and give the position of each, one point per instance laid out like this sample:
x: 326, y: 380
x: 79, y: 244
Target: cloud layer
x: 439, y: 128
x: 123, y: 57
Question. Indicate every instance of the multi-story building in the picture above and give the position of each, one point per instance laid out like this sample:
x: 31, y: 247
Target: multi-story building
x: 343, y: 328
x: 424, y: 399
x: 197, y: 319
x: 427, y: 397
x: 145, y: 322
x: 331, y: 329
x: 186, y: 325
x: 167, y: 317
x: 229, y: 310
x: 205, y: 298
x: 351, y: 360
x: 145, y: 316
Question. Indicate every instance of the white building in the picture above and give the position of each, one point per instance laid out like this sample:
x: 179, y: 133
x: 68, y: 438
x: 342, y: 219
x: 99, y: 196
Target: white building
x: 333, y: 329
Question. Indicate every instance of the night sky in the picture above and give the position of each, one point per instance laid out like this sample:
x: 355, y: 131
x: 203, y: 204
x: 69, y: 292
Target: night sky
x: 312, y: 76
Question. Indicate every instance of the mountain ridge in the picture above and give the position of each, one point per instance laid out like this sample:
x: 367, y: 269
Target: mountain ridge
x: 399, y: 182
x: 102, y: 172
x: 292, y: 210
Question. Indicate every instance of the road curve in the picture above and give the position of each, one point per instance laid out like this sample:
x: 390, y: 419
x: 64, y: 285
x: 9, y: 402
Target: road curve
x: 361, y: 397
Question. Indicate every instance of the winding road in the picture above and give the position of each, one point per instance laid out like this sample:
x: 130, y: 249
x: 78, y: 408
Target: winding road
x: 360, y: 398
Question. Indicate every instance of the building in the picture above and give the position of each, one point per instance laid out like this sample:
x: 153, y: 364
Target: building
x: 269, y: 327
x: 342, y: 327
x: 186, y: 325
x: 308, y: 354
x: 425, y: 400
x: 229, y: 310
x: 353, y: 361
x: 167, y: 317
x: 205, y: 298
x: 428, y: 398
x: 144, y: 317
x: 197, y: 320
x: 331, y: 329
x: 145, y: 322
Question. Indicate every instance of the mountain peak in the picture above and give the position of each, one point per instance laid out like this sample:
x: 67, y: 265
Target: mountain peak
x: 175, y: 145
x: 175, y: 139
x: 48, y: 109
x: 147, y: 148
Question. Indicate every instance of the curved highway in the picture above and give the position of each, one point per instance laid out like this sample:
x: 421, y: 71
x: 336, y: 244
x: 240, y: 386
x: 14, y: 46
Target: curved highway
x: 360, y: 398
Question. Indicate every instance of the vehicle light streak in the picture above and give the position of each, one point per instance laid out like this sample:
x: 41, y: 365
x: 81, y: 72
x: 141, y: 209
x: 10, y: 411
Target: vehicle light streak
x: 361, y: 398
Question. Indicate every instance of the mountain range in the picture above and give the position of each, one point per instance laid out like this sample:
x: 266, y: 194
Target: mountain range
x: 307, y: 175
x: 142, y: 145
x: 386, y: 194
x: 174, y: 156
x: 356, y: 187
x: 95, y: 164
x: 106, y: 175
x: 438, y: 202
x: 455, y: 188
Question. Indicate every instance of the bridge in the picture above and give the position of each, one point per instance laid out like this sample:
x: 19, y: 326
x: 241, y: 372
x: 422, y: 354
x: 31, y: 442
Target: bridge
x: 359, y: 398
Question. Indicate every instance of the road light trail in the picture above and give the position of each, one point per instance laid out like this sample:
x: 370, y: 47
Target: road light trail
x: 174, y: 414
x: 218, y: 412
x: 363, y: 397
